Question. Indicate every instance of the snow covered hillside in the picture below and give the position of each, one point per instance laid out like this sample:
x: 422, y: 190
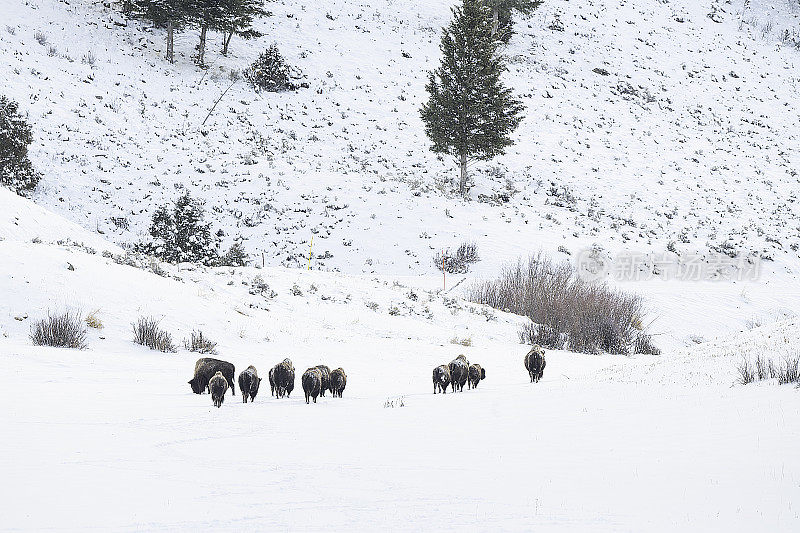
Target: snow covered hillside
x: 647, y: 123
x: 112, y: 437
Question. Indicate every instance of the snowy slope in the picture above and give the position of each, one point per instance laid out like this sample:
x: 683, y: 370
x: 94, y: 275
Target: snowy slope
x: 690, y: 138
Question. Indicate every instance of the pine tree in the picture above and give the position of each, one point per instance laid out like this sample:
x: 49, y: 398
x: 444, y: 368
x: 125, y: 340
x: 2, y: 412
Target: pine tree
x: 180, y: 234
x: 193, y: 239
x: 16, y: 171
x: 169, y: 14
x: 502, y: 11
x: 238, y: 18
x: 470, y: 114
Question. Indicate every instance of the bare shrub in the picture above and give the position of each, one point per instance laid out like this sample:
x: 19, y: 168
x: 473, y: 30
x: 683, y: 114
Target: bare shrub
x: 788, y: 372
x: 644, y: 344
x: 765, y: 368
x: 746, y: 372
x: 40, y: 37
x: 65, y: 330
x: 199, y: 343
x: 457, y: 262
x: 565, y: 310
x: 147, y: 333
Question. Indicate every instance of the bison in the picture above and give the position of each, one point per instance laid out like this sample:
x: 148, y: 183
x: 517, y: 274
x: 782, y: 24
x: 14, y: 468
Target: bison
x: 312, y: 383
x: 249, y: 383
x: 338, y: 382
x: 459, y: 372
x: 476, y: 373
x: 204, y: 370
x: 535, y: 363
x: 283, y: 378
x: 326, y: 379
x: 218, y: 386
x: 271, y: 375
x: 441, y: 378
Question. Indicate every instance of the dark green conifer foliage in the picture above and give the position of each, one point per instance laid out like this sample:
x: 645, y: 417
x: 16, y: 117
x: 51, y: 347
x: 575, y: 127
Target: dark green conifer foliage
x: 470, y: 113
x: 16, y: 171
x: 181, y: 235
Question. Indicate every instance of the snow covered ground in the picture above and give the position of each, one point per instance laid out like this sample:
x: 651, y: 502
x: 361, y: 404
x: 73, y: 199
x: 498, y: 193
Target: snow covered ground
x: 687, y: 142
x: 111, y: 437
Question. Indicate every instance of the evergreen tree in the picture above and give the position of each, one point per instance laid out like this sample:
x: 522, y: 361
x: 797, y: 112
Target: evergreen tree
x: 502, y: 12
x: 16, y: 171
x: 238, y: 20
x: 470, y: 114
x: 180, y: 234
x: 169, y: 14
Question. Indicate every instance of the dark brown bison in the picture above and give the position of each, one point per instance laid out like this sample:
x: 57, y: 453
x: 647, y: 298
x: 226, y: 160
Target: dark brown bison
x: 459, y: 373
x: 218, y: 386
x: 326, y: 379
x: 249, y: 383
x: 283, y: 377
x: 204, y: 370
x: 312, y: 383
x: 535, y: 363
x: 476, y: 373
x: 338, y: 382
x: 441, y: 378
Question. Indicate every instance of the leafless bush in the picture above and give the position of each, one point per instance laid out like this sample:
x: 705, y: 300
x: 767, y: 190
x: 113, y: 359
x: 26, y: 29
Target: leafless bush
x: 65, y: 330
x: 147, y: 333
x: 644, y: 344
x: 565, y: 310
x: 765, y: 368
x: 746, y: 372
x: 40, y: 37
x: 789, y: 371
x: 457, y: 262
x: 197, y: 342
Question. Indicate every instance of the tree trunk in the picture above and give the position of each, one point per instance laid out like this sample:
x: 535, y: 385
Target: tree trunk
x: 462, y: 184
x: 495, y: 20
x: 201, y: 50
x: 226, y: 40
x: 170, y: 41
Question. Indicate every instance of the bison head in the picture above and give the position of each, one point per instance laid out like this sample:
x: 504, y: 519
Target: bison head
x: 483, y: 373
x: 197, y: 388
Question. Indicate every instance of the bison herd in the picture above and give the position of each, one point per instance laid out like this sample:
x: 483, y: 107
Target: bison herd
x: 216, y: 376
x: 457, y: 374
